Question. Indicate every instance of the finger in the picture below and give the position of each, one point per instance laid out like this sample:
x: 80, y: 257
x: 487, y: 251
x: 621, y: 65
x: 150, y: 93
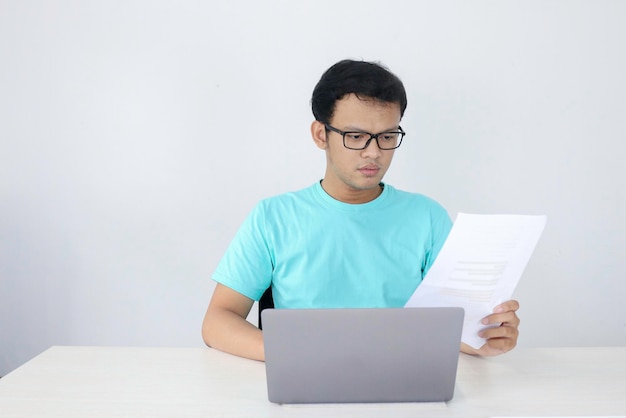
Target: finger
x: 501, y: 345
x: 499, y: 332
x: 509, y: 318
x: 496, y: 346
x: 499, y: 318
x: 509, y: 305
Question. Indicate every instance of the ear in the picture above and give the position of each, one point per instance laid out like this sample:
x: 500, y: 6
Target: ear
x: 318, y: 132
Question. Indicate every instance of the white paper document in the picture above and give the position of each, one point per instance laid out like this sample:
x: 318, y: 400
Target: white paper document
x: 479, y: 267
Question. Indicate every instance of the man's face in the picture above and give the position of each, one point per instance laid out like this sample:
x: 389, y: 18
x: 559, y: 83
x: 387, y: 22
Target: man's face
x: 353, y: 176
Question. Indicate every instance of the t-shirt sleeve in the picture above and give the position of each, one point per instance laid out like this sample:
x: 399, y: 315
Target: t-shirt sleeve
x: 246, y: 267
x: 440, y: 227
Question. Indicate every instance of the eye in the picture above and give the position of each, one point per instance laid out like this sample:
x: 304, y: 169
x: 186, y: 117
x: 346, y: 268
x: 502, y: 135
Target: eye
x: 389, y: 136
x: 355, y: 136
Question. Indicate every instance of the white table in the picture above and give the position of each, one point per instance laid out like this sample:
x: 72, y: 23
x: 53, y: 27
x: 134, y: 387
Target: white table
x: 201, y: 382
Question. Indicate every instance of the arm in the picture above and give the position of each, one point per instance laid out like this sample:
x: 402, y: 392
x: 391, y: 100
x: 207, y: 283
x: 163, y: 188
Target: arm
x: 225, y: 326
x: 502, y: 338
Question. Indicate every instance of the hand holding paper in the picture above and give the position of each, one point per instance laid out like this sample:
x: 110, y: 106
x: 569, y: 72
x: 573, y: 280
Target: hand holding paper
x: 479, y: 267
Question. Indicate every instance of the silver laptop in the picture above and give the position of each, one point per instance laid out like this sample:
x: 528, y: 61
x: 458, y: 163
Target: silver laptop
x: 361, y: 355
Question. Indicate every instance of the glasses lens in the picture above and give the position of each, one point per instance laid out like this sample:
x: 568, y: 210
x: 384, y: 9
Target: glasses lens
x: 355, y: 140
x: 360, y: 140
x: 389, y: 140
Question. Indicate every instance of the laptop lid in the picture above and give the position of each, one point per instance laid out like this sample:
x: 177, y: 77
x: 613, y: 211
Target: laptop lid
x: 361, y: 355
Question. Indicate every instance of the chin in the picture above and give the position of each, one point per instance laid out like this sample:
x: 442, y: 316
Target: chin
x: 369, y: 185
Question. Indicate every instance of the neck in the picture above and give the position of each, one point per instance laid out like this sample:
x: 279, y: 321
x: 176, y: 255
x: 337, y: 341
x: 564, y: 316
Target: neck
x: 351, y: 195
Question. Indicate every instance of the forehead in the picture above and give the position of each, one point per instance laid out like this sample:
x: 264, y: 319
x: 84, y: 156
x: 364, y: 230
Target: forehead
x: 365, y: 112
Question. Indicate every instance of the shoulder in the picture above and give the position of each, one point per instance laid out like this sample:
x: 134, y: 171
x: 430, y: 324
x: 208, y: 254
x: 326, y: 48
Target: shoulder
x: 415, y: 200
x: 286, y: 202
x: 298, y: 196
x: 419, y: 209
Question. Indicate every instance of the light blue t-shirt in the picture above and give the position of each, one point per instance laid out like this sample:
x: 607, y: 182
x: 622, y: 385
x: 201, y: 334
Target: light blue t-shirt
x: 318, y: 252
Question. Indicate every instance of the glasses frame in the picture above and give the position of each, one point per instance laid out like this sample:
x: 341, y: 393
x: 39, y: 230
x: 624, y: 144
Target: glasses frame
x: 372, y: 136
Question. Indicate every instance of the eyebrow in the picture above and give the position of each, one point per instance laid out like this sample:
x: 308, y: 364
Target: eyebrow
x: 351, y: 128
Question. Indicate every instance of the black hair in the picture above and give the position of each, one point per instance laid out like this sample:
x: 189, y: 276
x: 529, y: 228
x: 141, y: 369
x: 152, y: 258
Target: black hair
x: 367, y: 80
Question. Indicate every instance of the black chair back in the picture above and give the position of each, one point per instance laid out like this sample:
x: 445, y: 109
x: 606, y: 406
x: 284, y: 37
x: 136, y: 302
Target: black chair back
x: 266, y: 302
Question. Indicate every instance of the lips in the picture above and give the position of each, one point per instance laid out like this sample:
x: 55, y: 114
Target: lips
x: 369, y: 170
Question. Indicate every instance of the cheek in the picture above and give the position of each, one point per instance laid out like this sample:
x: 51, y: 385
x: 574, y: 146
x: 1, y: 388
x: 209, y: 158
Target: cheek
x: 340, y: 158
x: 387, y: 158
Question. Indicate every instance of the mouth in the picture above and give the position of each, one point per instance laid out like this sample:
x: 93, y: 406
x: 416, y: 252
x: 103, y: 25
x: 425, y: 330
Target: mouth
x: 369, y: 170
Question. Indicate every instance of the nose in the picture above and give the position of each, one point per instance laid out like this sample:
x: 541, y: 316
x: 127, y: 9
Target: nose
x: 372, y: 150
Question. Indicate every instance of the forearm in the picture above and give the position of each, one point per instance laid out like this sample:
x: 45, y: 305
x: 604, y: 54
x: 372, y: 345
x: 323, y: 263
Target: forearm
x: 226, y: 331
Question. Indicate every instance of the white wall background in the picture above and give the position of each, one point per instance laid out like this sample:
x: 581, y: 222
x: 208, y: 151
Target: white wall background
x: 136, y: 135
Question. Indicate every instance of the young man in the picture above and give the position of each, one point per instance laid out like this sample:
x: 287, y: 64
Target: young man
x: 348, y: 240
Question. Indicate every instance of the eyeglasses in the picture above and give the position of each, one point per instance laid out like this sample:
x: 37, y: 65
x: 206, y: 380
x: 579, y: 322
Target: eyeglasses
x: 361, y: 140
